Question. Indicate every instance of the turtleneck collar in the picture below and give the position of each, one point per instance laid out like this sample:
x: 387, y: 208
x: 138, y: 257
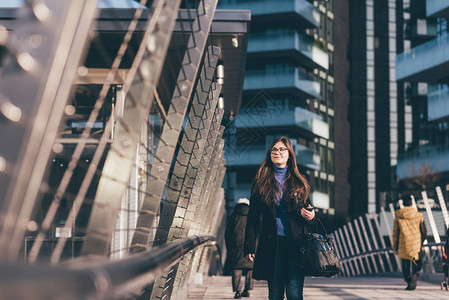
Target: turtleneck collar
x: 280, y: 171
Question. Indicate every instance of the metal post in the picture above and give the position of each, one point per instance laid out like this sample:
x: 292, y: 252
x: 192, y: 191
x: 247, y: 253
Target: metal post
x: 356, y: 259
x: 374, y: 239
x: 413, y: 202
x: 362, y: 244
x: 341, y: 255
x: 342, y: 240
x: 120, y: 158
x: 390, y: 234
x: 357, y: 250
x: 443, y: 206
x: 433, y: 225
x: 368, y: 244
x: 392, y: 211
x: 35, y: 85
x: 382, y: 241
x: 426, y: 249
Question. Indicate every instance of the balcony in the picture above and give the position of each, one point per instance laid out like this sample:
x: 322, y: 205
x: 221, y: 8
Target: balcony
x: 254, y: 156
x: 433, y: 159
x: 421, y: 30
x: 290, y: 80
x: 437, y: 8
x: 415, y: 90
x: 428, y: 62
x: 307, y: 157
x: 280, y: 44
x: 438, y: 103
x: 301, y: 12
x: 275, y: 117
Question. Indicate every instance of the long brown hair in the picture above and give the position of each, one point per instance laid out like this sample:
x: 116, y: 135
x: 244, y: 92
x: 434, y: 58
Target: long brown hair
x: 295, y: 185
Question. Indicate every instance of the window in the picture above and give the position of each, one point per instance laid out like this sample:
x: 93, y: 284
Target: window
x: 323, y: 91
x: 369, y: 13
x: 330, y: 161
x: 330, y: 121
x: 330, y: 30
x: 330, y: 94
x: 323, y: 158
x: 330, y: 5
x: 322, y: 31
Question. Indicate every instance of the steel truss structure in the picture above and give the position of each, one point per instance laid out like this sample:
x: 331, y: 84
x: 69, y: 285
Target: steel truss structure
x: 125, y: 171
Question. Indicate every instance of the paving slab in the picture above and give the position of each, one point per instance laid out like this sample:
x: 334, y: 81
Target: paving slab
x: 220, y: 288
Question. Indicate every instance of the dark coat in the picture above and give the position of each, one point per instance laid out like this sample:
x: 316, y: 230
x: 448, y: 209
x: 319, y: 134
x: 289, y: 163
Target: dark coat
x: 235, y: 238
x: 261, y: 225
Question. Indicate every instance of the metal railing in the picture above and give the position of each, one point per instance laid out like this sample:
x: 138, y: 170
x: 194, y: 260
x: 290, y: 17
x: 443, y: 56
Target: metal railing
x: 87, y: 279
x: 121, y: 211
x: 364, y: 245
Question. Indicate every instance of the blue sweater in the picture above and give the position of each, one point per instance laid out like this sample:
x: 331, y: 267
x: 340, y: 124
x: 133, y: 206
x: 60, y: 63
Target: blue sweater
x: 283, y: 227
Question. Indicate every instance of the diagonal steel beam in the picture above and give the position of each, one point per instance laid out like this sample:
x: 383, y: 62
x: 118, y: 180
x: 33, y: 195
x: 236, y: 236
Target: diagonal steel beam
x: 140, y: 85
x: 216, y: 202
x: 204, y: 259
x: 178, y: 192
x: 169, y: 227
x: 47, y: 49
x: 172, y: 128
x: 207, y: 223
x: 205, y: 204
x: 182, y: 217
x: 166, y: 281
x: 187, y: 215
x: 201, y: 186
x: 207, y: 166
x: 212, y: 186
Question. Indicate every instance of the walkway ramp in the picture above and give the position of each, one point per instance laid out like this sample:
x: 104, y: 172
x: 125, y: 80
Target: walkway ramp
x: 219, y: 288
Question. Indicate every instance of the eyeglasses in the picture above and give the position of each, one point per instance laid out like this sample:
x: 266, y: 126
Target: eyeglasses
x: 275, y: 150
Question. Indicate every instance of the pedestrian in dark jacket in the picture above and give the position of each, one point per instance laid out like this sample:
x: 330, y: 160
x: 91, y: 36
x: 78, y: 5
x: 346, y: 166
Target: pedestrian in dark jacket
x: 235, y: 238
x: 280, y: 210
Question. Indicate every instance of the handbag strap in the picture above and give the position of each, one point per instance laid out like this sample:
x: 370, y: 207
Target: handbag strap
x: 321, y: 223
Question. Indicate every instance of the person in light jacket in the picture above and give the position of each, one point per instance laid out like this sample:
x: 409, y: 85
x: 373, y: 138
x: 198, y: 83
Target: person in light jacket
x: 278, y: 217
x: 409, y: 233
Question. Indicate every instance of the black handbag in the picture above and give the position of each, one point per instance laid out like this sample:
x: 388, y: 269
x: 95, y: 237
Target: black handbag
x: 318, y: 255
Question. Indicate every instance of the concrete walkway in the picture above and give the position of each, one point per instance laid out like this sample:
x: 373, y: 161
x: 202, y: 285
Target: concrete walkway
x: 219, y: 288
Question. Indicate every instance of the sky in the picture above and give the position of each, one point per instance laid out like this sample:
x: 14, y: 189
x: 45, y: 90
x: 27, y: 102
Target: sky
x: 102, y: 3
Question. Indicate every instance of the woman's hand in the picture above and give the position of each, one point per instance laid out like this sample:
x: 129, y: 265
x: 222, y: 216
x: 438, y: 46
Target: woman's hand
x: 250, y: 256
x: 306, y: 214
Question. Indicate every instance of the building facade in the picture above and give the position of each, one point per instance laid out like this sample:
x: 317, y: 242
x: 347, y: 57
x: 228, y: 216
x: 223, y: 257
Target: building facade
x: 290, y: 89
x: 422, y: 68
x: 377, y: 111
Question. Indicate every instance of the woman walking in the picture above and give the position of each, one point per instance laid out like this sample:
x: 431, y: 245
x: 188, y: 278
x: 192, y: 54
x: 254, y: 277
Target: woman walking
x: 279, y: 213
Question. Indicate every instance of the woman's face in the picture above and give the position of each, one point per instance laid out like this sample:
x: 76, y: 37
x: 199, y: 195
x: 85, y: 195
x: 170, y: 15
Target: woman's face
x: 279, y: 154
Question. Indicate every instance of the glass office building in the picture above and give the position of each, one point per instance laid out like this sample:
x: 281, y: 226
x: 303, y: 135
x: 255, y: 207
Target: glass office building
x: 288, y: 90
x: 423, y: 67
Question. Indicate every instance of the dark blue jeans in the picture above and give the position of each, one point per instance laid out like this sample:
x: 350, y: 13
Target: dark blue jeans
x: 287, y: 275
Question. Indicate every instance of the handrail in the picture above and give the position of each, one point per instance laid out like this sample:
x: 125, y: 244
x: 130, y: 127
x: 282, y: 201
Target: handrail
x: 387, y: 249
x: 86, y: 279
